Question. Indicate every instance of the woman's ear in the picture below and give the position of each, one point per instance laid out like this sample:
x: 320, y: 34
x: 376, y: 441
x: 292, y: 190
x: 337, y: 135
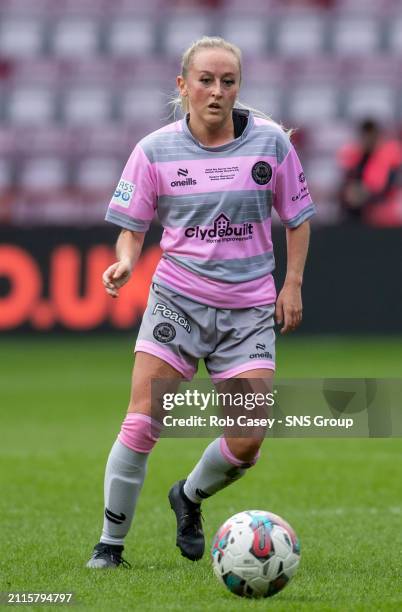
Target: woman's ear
x: 181, y: 85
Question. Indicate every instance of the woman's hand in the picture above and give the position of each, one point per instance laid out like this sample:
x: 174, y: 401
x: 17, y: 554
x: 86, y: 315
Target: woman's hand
x: 289, y: 307
x: 116, y: 276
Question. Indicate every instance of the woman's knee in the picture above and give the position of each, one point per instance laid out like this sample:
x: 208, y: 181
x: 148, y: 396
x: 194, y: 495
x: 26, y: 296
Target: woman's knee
x: 245, y: 449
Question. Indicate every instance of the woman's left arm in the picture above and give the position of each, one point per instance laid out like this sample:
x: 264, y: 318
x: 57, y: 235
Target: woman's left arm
x: 289, y: 303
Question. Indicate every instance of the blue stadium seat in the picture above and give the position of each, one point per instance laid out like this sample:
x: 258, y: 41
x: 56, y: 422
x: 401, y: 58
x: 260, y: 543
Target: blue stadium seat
x: 143, y: 104
x: 87, y: 106
x: 265, y: 99
x: 75, y: 37
x: 131, y: 37
x: 312, y: 102
x: 98, y: 174
x: 300, y: 35
x: 21, y: 37
x: 323, y: 177
x: 31, y: 105
x: 41, y: 174
x: 326, y: 137
x: 371, y: 100
x: 6, y: 175
x: 250, y: 33
x: 356, y: 35
x: 395, y: 36
x: 180, y: 32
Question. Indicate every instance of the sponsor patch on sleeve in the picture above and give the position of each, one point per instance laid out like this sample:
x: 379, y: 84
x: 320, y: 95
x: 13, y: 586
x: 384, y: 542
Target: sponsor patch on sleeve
x: 123, y: 194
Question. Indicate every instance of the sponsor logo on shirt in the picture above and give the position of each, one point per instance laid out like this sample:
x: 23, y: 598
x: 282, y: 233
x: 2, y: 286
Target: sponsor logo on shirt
x: 187, y: 181
x: 222, y: 230
x: 222, y: 173
x: 261, y: 172
x: 172, y: 315
x: 164, y: 332
x: 303, y: 193
x: 123, y: 194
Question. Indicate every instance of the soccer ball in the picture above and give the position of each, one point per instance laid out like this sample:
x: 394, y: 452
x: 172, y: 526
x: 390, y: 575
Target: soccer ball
x: 255, y: 553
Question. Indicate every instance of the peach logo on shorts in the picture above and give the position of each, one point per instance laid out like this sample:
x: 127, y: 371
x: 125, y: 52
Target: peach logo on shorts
x: 172, y: 315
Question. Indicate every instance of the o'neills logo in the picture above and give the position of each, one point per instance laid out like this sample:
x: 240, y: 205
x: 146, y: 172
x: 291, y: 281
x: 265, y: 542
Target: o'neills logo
x: 266, y: 355
x: 221, y: 228
x: 187, y: 181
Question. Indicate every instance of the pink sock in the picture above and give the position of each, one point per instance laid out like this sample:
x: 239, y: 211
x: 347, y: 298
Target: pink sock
x: 230, y: 458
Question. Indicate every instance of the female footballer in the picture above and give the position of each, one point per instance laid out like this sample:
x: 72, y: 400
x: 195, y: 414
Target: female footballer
x: 212, y: 178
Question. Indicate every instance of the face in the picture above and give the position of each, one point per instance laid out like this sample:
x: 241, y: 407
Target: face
x: 211, y: 86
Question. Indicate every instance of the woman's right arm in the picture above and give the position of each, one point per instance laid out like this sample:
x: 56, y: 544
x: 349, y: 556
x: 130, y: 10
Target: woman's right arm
x: 128, y: 250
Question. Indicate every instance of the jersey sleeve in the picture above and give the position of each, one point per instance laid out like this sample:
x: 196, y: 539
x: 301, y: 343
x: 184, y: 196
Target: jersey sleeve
x: 292, y: 199
x: 133, y: 203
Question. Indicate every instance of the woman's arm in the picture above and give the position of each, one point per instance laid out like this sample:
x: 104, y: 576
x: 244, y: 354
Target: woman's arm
x: 128, y: 250
x: 289, y: 303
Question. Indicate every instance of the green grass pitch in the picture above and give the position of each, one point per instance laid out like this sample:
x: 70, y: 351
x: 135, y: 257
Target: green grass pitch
x: 62, y: 402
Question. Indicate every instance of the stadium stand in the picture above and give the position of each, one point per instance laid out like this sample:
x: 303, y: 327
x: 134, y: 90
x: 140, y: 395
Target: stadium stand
x: 82, y: 80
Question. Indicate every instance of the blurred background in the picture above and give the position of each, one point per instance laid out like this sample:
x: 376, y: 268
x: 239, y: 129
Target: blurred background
x: 81, y: 81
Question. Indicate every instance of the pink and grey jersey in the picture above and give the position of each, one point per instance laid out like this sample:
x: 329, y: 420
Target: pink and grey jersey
x: 214, y: 204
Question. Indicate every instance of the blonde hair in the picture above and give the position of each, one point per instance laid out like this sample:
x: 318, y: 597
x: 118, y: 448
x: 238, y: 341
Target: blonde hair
x: 179, y: 102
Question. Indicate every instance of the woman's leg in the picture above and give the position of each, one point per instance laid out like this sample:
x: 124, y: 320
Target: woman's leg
x: 223, y: 462
x: 127, y: 462
x: 227, y: 459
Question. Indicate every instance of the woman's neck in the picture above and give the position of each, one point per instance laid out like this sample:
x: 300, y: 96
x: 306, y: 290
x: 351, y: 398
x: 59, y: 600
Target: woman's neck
x: 212, y: 137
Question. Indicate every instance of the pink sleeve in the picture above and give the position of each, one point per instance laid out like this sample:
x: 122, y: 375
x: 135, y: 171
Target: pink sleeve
x: 292, y: 200
x: 134, y: 201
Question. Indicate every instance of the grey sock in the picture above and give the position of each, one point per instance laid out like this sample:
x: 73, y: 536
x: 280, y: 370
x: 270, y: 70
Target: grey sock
x: 211, y: 474
x: 124, y: 477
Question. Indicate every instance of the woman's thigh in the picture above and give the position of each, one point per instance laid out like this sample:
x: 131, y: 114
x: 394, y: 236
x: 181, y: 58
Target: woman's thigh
x: 145, y: 396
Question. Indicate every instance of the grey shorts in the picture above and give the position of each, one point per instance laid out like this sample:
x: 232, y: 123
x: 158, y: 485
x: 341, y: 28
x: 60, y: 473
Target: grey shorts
x: 181, y: 331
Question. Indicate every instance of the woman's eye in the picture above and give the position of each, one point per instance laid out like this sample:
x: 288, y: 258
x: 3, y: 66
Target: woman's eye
x: 205, y: 80
x: 228, y: 82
